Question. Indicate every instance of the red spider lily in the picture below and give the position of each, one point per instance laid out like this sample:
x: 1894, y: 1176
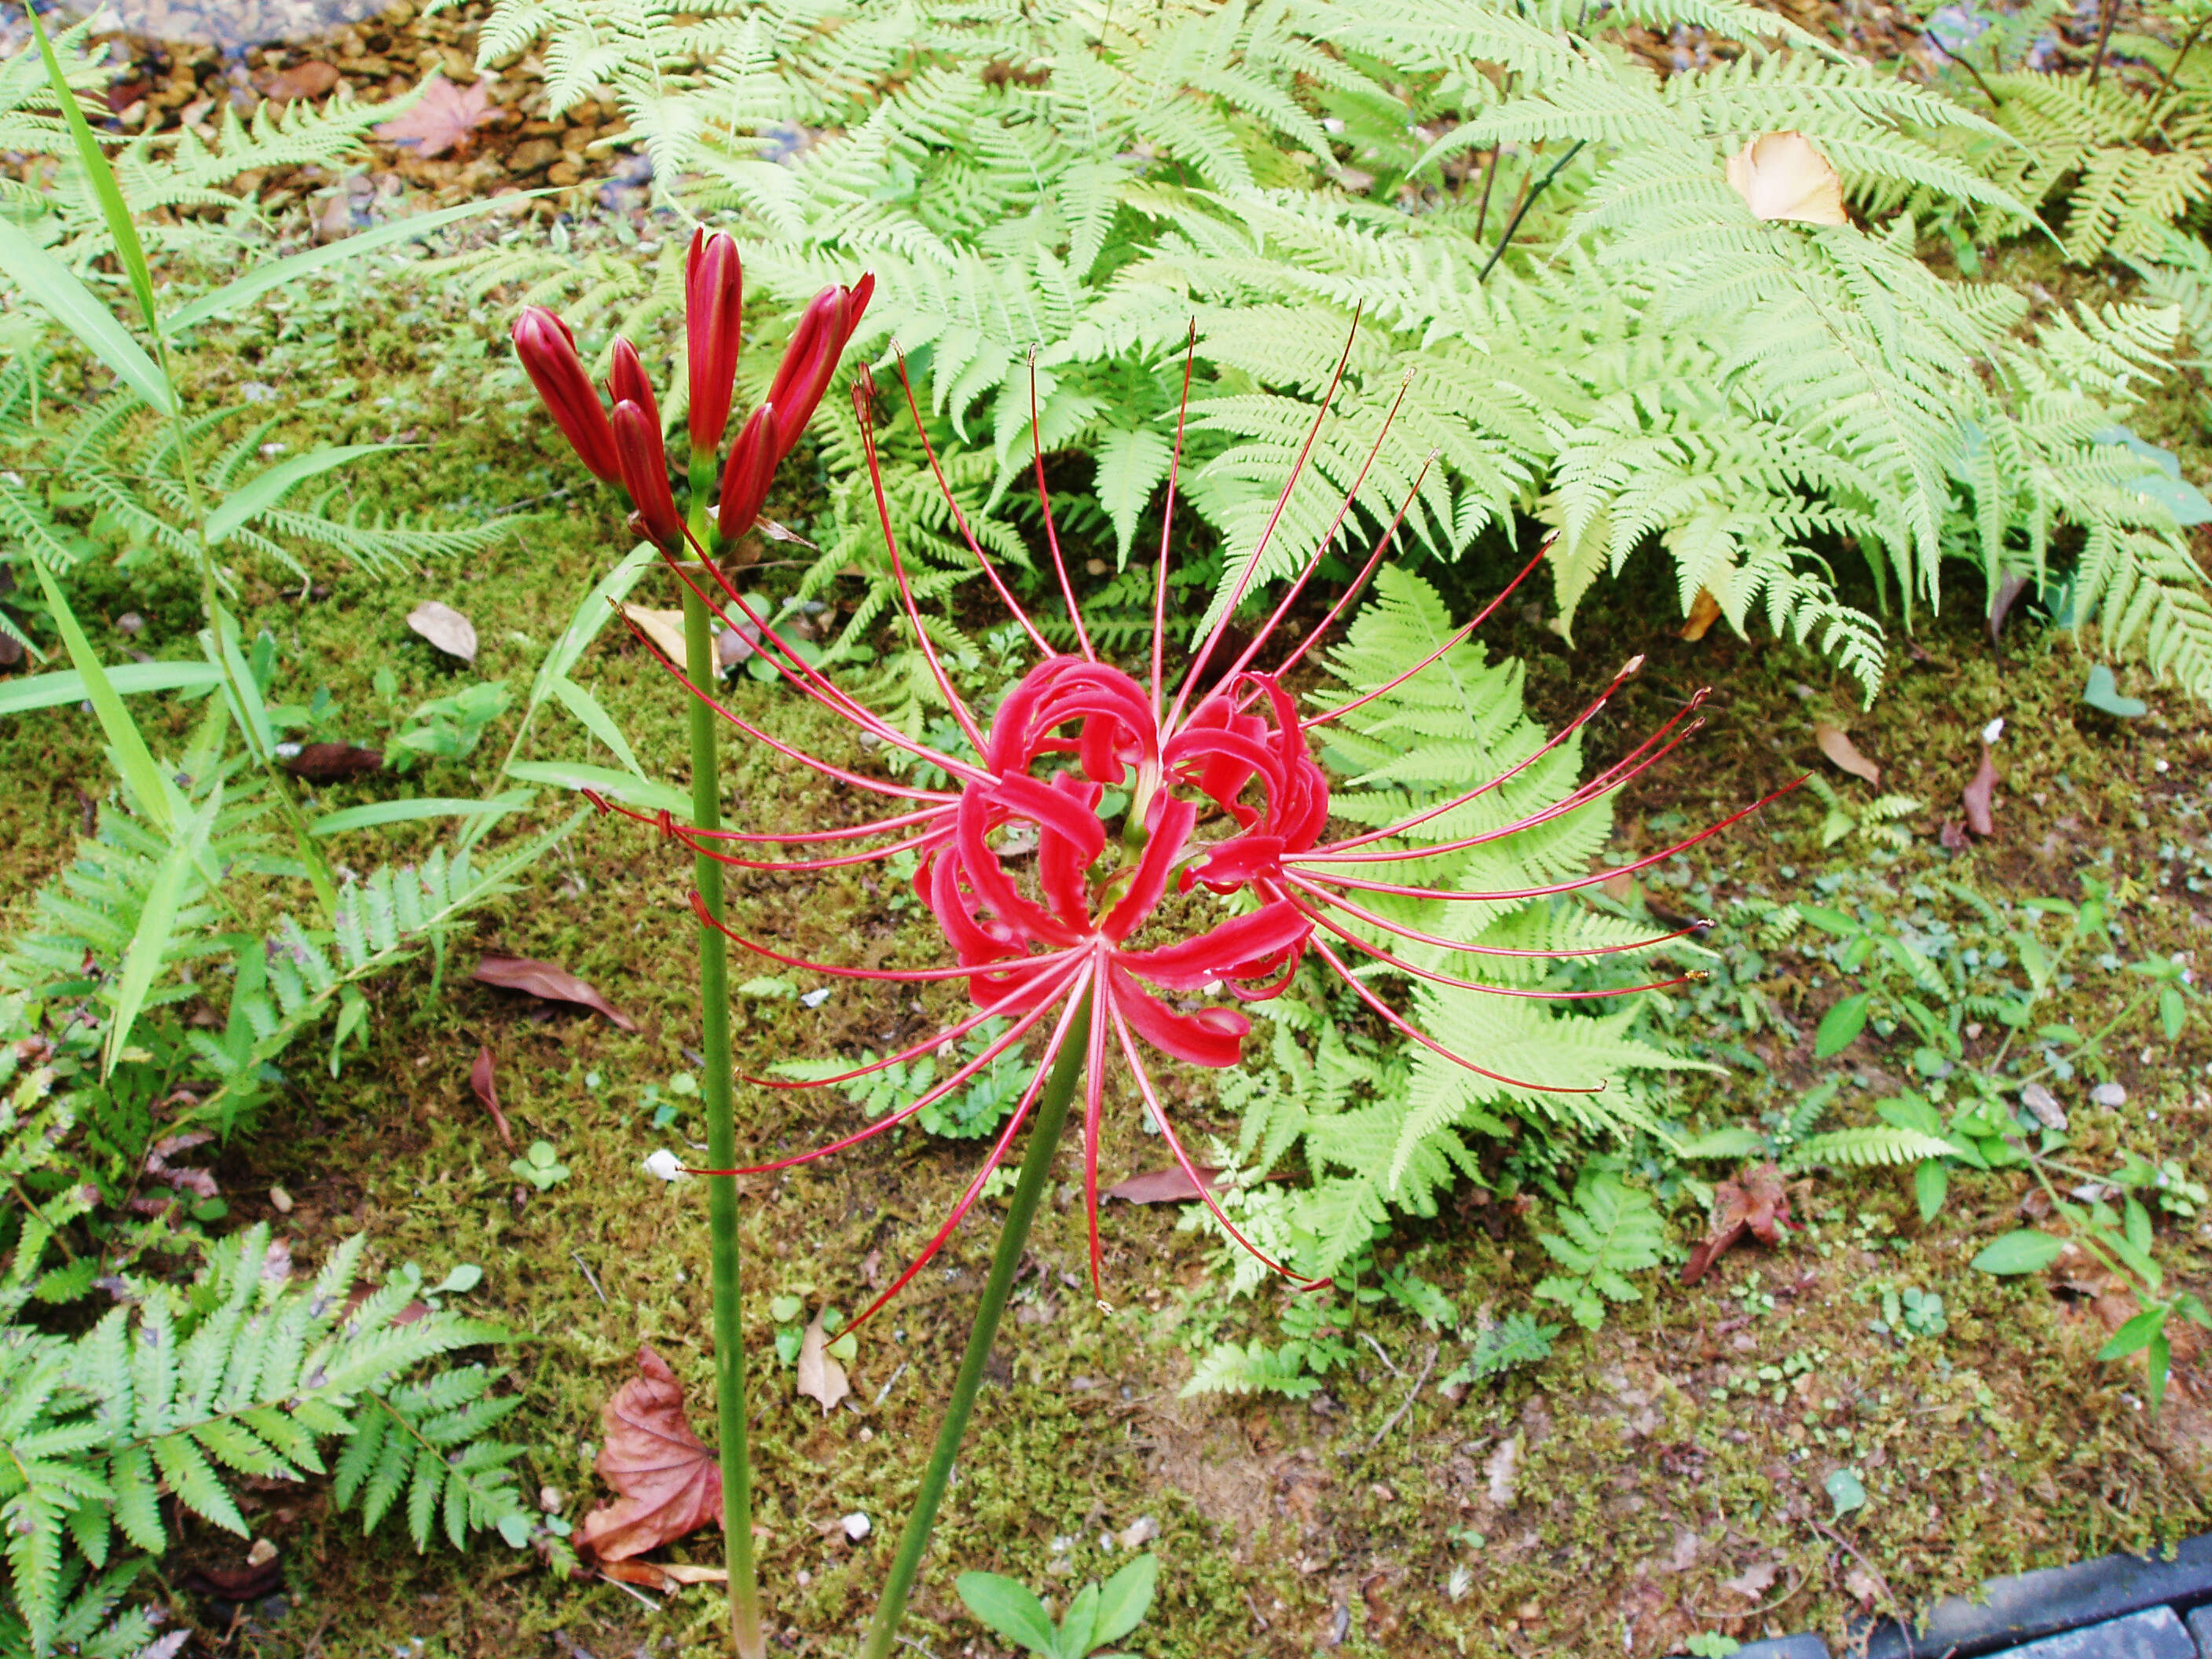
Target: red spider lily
x: 1222, y: 791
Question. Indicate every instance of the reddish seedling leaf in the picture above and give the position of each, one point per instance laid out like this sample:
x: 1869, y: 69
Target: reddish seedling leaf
x: 820, y: 1377
x: 1977, y: 796
x: 1168, y: 1186
x: 333, y: 762
x: 444, y: 628
x: 444, y: 117
x: 542, y: 979
x: 1836, y: 744
x: 487, y: 1088
x: 1755, y: 1206
x: 1705, y: 611
x: 666, y: 1482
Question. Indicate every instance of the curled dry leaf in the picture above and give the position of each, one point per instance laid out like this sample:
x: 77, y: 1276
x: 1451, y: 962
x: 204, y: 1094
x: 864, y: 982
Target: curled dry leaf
x: 1783, y: 176
x: 820, y: 1377
x: 1757, y: 1206
x: 1836, y: 744
x: 1755, y: 1581
x: 487, y: 1090
x: 1977, y: 796
x: 444, y: 628
x: 1705, y: 611
x: 666, y: 1482
x: 333, y: 762
x: 663, y: 628
x: 542, y: 979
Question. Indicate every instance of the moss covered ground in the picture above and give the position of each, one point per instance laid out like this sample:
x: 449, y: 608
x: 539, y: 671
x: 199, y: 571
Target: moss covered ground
x: 1664, y: 1476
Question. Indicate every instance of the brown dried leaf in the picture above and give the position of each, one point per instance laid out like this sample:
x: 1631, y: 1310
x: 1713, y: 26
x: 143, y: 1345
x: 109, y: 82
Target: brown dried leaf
x: 1757, y: 1207
x: 444, y: 628
x: 1168, y: 1186
x: 487, y: 1088
x: 1981, y: 818
x: 820, y: 1377
x: 1783, y: 176
x: 444, y: 115
x: 333, y: 762
x: 663, y: 628
x: 2008, y: 589
x: 308, y: 80
x: 666, y: 1482
x: 1755, y: 1581
x: 1836, y: 744
x: 1705, y: 611
x: 542, y: 979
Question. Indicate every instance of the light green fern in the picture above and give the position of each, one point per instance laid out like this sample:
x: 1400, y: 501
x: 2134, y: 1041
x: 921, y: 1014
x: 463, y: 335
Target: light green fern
x: 1609, y: 1231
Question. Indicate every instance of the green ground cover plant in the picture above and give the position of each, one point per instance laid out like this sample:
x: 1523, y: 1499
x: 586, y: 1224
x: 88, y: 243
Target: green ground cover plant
x: 1513, y: 208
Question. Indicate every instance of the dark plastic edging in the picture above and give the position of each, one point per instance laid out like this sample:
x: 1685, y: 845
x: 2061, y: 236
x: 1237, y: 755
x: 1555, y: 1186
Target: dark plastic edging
x: 2028, y: 1605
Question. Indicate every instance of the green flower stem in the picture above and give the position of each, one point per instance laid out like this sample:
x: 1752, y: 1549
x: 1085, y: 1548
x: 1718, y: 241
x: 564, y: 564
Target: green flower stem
x: 1013, y: 1235
x: 716, y: 1087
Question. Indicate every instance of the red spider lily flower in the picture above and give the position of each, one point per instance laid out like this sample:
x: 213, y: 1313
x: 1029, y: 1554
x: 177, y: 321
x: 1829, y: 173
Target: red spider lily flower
x: 1223, y: 792
x: 714, y: 316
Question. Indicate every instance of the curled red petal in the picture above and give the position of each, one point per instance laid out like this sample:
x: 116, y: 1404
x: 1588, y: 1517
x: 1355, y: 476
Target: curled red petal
x: 1220, y: 952
x: 1211, y: 1036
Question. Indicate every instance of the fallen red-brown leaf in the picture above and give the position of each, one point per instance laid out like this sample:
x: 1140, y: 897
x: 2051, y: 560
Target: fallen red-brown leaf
x: 544, y: 980
x: 1755, y: 1206
x: 666, y: 1481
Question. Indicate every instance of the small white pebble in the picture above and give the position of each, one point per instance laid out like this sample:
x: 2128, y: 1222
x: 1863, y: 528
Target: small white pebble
x: 815, y: 998
x: 664, y: 1165
x: 1994, y: 729
x: 857, y: 1526
x: 282, y: 1199
x: 2109, y: 1094
x: 2158, y: 766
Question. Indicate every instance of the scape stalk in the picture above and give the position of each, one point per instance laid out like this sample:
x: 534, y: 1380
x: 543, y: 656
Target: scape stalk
x: 1028, y: 1188
x: 717, y: 1086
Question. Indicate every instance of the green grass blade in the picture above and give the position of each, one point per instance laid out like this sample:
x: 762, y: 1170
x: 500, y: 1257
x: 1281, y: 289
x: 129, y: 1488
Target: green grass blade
x: 67, y: 686
x: 266, y: 489
x: 429, y: 807
x: 588, y: 709
x: 157, y: 923
x: 275, y: 273
x: 618, y: 785
x: 113, y: 207
x: 155, y: 794
x: 55, y: 286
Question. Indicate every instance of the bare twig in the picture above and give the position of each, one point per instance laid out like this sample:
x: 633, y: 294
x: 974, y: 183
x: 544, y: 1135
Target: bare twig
x: 2106, y: 13
x: 1387, y: 1364
x: 1411, y: 1395
x: 588, y: 1279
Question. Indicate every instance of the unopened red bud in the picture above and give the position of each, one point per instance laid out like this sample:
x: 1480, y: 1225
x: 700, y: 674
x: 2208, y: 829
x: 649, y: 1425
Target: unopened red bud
x: 628, y: 383
x: 807, y: 365
x: 714, y: 313
x: 549, y: 357
x: 746, y: 479
x: 645, y: 472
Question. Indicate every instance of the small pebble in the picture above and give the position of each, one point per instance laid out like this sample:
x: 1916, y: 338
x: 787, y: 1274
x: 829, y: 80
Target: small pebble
x: 2108, y: 1094
x: 282, y: 1199
x: 857, y: 1526
x: 664, y: 1165
x: 815, y: 998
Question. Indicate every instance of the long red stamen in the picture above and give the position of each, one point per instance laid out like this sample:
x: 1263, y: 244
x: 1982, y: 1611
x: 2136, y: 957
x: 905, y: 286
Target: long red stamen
x: 1052, y: 530
x: 952, y: 504
x: 1359, y: 582
x: 864, y: 394
x: 1590, y: 880
x: 1399, y: 1022
x: 1327, y: 539
x: 894, y: 976
x: 1453, y: 639
x: 1191, y: 680
x: 1167, y: 523
x: 1190, y: 1170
